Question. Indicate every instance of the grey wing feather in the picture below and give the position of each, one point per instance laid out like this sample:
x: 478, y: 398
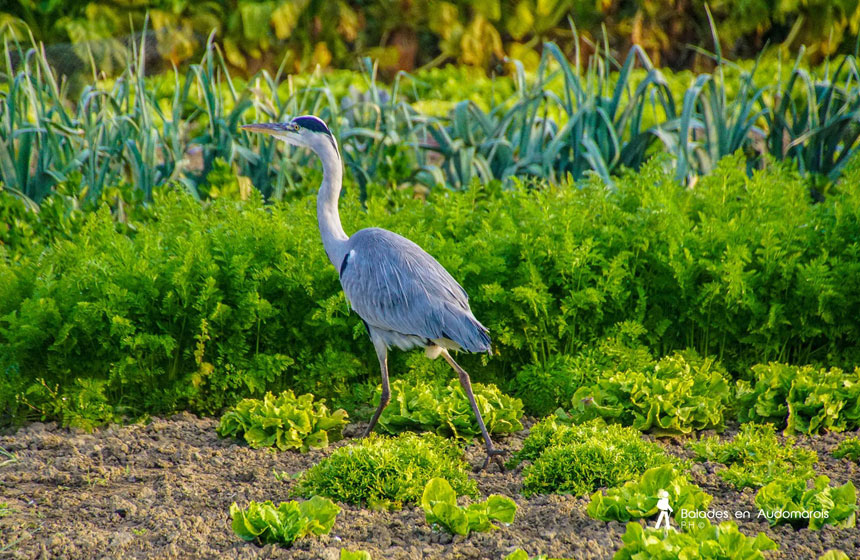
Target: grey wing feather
x: 395, y: 286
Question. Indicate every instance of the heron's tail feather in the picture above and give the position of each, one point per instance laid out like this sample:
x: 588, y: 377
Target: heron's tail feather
x: 483, y: 336
x: 465, y: 330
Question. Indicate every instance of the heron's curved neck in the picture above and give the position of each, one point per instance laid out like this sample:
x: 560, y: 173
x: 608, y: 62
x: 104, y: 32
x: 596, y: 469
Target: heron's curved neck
x: 333, y: 237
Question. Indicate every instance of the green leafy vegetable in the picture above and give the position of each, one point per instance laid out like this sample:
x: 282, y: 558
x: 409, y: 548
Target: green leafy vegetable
x: 354, y: 555
x: 848, y: 449
x: 755, y: 456
x: 285, y: 422
x: 678, y: 394
x: 264, y: 523
x: 638, y: 498
x: 802, y: 399
x: 440, y: 508
x: 579, y: 459
x: 557, y: 430
x: 445, y: 410
x: 790, y: 500
x: 834, y: 555
x: 386, y: 472
x: 520, y: 554
x: 542, y: 435
x: 702, y: 542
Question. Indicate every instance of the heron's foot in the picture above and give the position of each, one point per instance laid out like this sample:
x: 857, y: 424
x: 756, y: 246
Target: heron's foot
x: 494, y: 455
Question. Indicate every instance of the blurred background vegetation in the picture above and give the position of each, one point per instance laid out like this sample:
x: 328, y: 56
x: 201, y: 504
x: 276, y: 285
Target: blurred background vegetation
x: 411, y: 34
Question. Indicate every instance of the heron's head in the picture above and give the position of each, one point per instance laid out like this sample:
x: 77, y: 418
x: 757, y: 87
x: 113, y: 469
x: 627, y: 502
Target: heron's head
x: 306, y: 131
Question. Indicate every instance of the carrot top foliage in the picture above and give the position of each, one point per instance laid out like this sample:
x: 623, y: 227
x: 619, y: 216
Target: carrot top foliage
x: 183, y: 305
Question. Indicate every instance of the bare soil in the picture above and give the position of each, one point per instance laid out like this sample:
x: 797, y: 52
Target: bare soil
x: 163, y: 490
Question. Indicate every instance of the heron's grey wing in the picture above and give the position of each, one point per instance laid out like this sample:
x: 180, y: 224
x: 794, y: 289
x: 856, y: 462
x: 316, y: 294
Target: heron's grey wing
x: 394, y: 285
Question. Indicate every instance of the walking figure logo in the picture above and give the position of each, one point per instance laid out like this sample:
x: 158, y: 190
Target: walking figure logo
x: 665, y: 508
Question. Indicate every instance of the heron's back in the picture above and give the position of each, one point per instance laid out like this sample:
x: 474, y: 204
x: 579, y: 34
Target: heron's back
x: 405, y: 295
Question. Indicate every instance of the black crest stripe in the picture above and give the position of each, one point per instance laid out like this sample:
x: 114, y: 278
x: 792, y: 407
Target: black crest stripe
x: 312, y: 123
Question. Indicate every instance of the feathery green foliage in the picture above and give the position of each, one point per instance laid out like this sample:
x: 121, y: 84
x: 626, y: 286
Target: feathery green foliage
x: 579, y: 459
x: 581, y: 468
x: 264, y: 523
x: 755, y: 456
x: 542, y: 387
x: 541, y: 436
x: 445, y: 410
x: 190, y: 306
x: 546, y: 387
x: 557, y: 430
x: 285, y: 422
x: 189, y: 312
x: 387, y: 472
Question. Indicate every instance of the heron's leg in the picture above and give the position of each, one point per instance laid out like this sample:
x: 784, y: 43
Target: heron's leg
x: 382, y: 354
x: 492, y: 453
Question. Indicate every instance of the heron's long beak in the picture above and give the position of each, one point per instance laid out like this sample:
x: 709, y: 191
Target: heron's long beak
x: 269, y: 128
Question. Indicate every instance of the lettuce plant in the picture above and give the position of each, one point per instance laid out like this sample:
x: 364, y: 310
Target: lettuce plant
x: 354, y: 555
x: 440, y: 508
x: 755, y: 456
x: 445, y: 410
x: 848, y: 449
x: 791, y: 500
x: 557, y: 430
x: 580, y: 459
x: 386, y: 472
x: 542, y: 435
x: 703, y: 541
x: 678, y: 394
x: 520, y: 554
x: 802, y: 399
x: 638, y: 498
x: 285, y: 422
x: 834, y: 554
x: 264, y: 523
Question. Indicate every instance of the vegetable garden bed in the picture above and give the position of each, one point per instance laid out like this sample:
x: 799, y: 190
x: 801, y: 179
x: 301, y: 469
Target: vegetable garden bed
x: 163, y: 490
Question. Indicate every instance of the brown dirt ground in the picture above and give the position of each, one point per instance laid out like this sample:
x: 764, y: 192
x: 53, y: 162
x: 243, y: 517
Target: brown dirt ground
x: 163, y: 490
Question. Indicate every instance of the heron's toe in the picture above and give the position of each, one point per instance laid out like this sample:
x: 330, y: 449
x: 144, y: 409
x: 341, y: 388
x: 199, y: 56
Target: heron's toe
x: 494, y: 455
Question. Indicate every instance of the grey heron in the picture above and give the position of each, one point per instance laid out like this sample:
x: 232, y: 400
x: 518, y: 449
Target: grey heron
x: 404, y: 296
